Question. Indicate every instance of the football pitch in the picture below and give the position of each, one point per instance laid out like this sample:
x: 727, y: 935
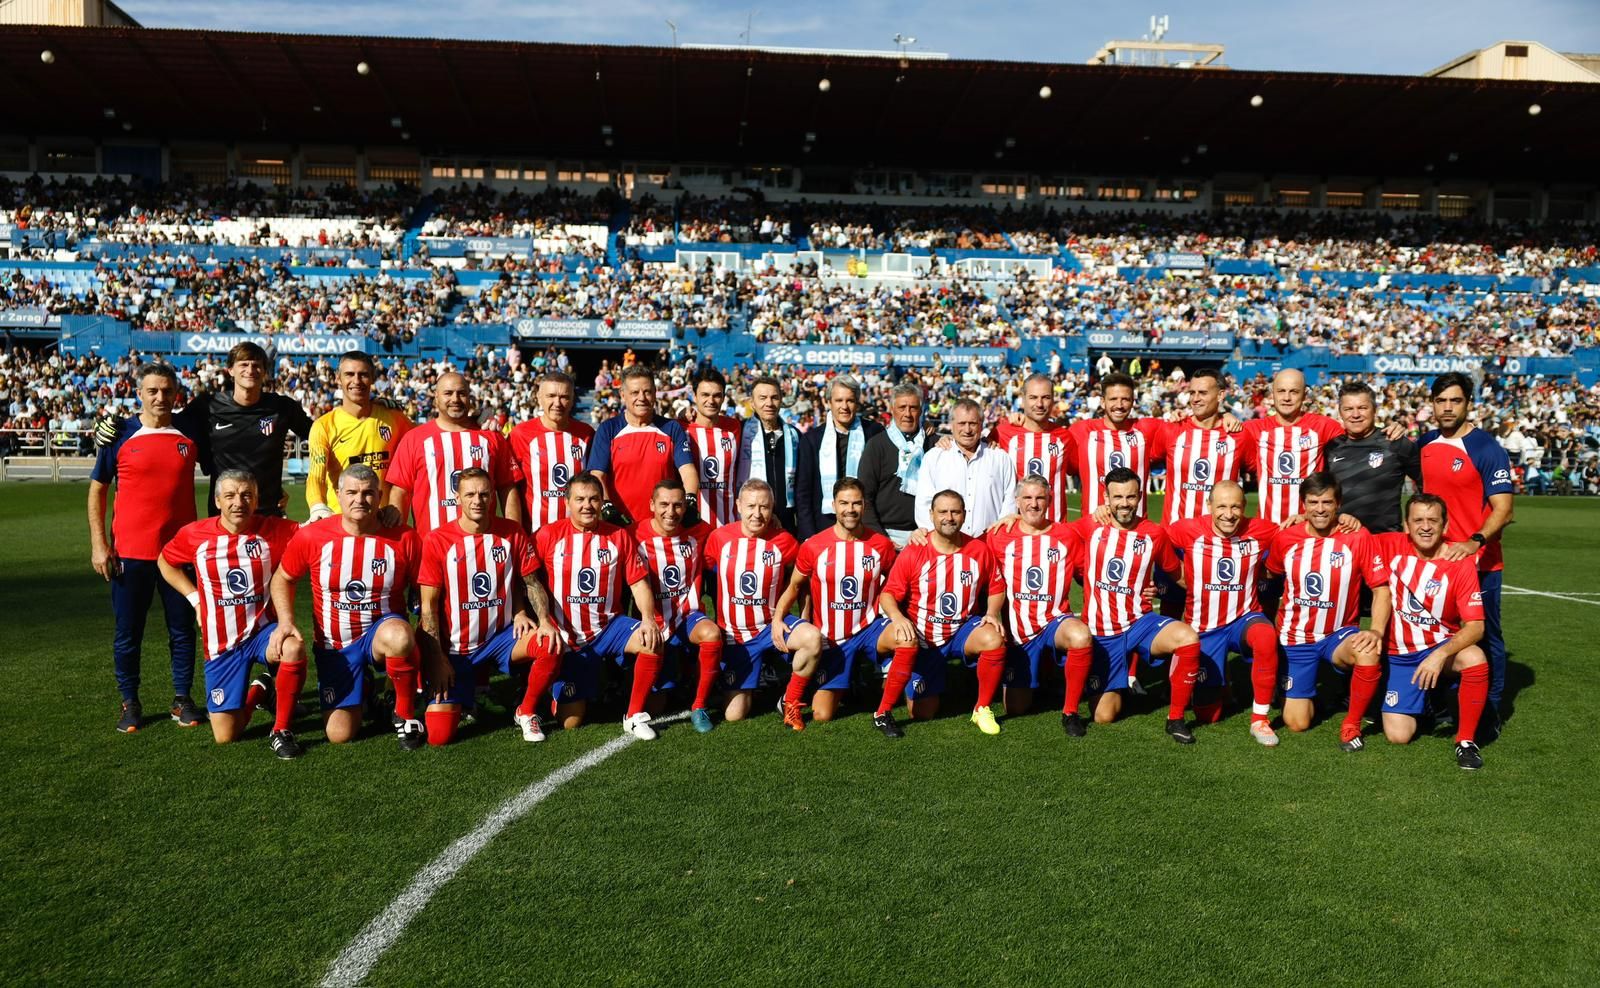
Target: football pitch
x: 753, y: 855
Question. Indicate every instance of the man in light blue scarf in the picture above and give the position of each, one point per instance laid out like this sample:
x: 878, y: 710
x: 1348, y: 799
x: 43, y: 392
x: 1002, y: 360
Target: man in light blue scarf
x: 828, y: 453
x: 890, y: 465
x: 769, y: 449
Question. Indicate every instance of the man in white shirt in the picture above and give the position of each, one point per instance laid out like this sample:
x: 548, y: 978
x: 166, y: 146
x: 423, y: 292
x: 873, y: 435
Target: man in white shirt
x: 981, y: 472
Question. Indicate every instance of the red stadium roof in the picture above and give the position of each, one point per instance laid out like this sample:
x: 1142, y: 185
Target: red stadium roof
x: 677, y: 104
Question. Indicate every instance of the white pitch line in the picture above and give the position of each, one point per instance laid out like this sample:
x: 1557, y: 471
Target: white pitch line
x: 356, y: 961
x: 1553, y: 596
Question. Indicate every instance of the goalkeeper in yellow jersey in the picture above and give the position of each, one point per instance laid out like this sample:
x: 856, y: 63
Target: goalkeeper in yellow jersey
x: 358, y: 431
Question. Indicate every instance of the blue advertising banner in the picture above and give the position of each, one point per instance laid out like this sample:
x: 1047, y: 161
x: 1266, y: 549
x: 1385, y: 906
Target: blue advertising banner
x: 30, y: 318
x: 1178, y: 262
x: 593, y: 329
x: 824, y: 355
x: 1185, y: 340
x: 462, y: 246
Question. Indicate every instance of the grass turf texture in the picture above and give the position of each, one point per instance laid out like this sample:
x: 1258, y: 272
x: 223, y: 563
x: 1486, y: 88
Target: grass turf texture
x: 751, y: 853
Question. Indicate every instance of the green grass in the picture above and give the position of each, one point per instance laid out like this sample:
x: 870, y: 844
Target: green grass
x: 752, y: 854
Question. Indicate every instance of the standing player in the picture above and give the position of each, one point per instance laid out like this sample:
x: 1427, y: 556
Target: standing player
x: 842, y: 570
x: 1223, y: 558
x: 1371, y: 467
x: 751, y: 558
x: 232, y: 557
x: 549, y: 451
x: 636, y: 450
x: 1038, y: 446
x: 475, y: 604
x: 358, y: 431
x: 716, y: 443
x: 359, y: 573
x: 587, y: 563
x: 1286, y: 446
x: 1112, y: 441
x: 151, y: 465
x: 246, y: 427
x: 1466, y: 467
x: 1438, y: 621
x: 944, y: 599
x: 674, y: 554
x: 1118, y: 561
x: 1200, y: 451
x: 429, y: 459
x: 1035, y: 559
x: 1319, y: 621
x: 769, y: 450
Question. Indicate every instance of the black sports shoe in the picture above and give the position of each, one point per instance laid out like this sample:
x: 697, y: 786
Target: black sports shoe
x: 1178, y: 730
x: 132, y: 714
x: 411, y: 735
x: 1073, y: 725
x: 1468, y: 756
x: 284, y: 745
x: 186, y: 713
x: 1351, y: 746
x: 886, y: 725
x: 269, y: 692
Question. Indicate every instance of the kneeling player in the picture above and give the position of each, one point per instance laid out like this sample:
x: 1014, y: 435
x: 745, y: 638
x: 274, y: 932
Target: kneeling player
x: 1035, y: 559
x: 1118, y: 562
x: 944, y: 600
x: 232, y: 556
x: 751, y: 558
x: 586, y: 564
x: 843, y: 570
x: 1319, y: 617
x: 475, y: 604
x: 1438, y: 622
x: 359, y: 574
x: 673, y: 553
x: 1224, y: 553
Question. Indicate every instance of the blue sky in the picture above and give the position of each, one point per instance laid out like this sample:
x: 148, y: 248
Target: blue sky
x: 1406, y: 37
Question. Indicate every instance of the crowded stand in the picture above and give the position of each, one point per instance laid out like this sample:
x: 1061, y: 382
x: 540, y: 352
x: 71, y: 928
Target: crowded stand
x: 795, y: 309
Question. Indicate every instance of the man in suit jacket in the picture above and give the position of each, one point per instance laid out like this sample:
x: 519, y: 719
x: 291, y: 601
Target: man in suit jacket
x: 828, y: 453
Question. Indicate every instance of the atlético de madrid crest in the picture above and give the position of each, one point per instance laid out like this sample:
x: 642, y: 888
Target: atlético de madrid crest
x: 1374, y: 460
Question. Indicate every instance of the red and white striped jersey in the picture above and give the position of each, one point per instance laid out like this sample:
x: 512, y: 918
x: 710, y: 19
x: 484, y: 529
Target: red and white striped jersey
x: 674, y: 563
x: 1037, y: 570
x: 847, y: 575
x: 1282, y: 456
x: 542, y: 462
x: 1222, y: 571
x: 587, y: 572
x: 717, y: 449
x: 1097, y: 448
x: 1322, y: 578
x: 1196, y: 459
x: 428, y: 459
x: 1117, y: 565
x: 233, y: 574
x: 1046, y: 453
x: 355, y: 579
x: 479, y: 577
x: 940, y: 591
x: 1432, y: 598
x: 751, y: 574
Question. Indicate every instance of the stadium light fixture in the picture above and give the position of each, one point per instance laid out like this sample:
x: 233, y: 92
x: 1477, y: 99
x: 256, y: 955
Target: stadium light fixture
x: 605, y: 130
x: 811, y: 137
x: 396, y: 123
x: 1045, y: 92
x: 405, y: 135
x: 1256, y: 100
x: 127, y: 125
x: 110, y: 113
x: 48, y: 57
x: 1202, y: 149
x: 1534, y: 109
x: 362, y: 68
x: 1011, y: 142
x: 824, y: 85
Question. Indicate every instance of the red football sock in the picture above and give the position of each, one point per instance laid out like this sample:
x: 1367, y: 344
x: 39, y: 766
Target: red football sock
x: 1077, y: 672
x: 1133, y: 670
x: 895, y: 680
x: 710, y: 662
x: 645, y: 667
x: 546, y: 666
x: 1363, y: 686
x: 991, y: 668
x: 1185, y: 670
x: 794, y: 695
x: 1471, y: 697
x: 1208, y: 713
x: 404, y: 676
x: 291, y: 677
x: 1263, y: 644
x: 442, y: 725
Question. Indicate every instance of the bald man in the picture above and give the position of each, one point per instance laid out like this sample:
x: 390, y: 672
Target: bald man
x: 427, y: 460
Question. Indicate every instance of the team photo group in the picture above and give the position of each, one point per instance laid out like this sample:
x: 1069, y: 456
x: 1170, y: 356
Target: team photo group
x: 874, y: 556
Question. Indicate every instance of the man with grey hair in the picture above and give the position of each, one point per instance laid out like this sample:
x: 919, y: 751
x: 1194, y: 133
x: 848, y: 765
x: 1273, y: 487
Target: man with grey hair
x: 980, y: 472
x: 890, y: 464
x: 828, y: 453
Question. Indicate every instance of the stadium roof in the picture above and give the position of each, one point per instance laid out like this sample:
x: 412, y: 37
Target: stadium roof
x: 757, y: 106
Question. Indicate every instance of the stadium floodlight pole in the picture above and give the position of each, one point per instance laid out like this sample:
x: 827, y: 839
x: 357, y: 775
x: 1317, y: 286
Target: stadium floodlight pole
x: 674, y: 32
